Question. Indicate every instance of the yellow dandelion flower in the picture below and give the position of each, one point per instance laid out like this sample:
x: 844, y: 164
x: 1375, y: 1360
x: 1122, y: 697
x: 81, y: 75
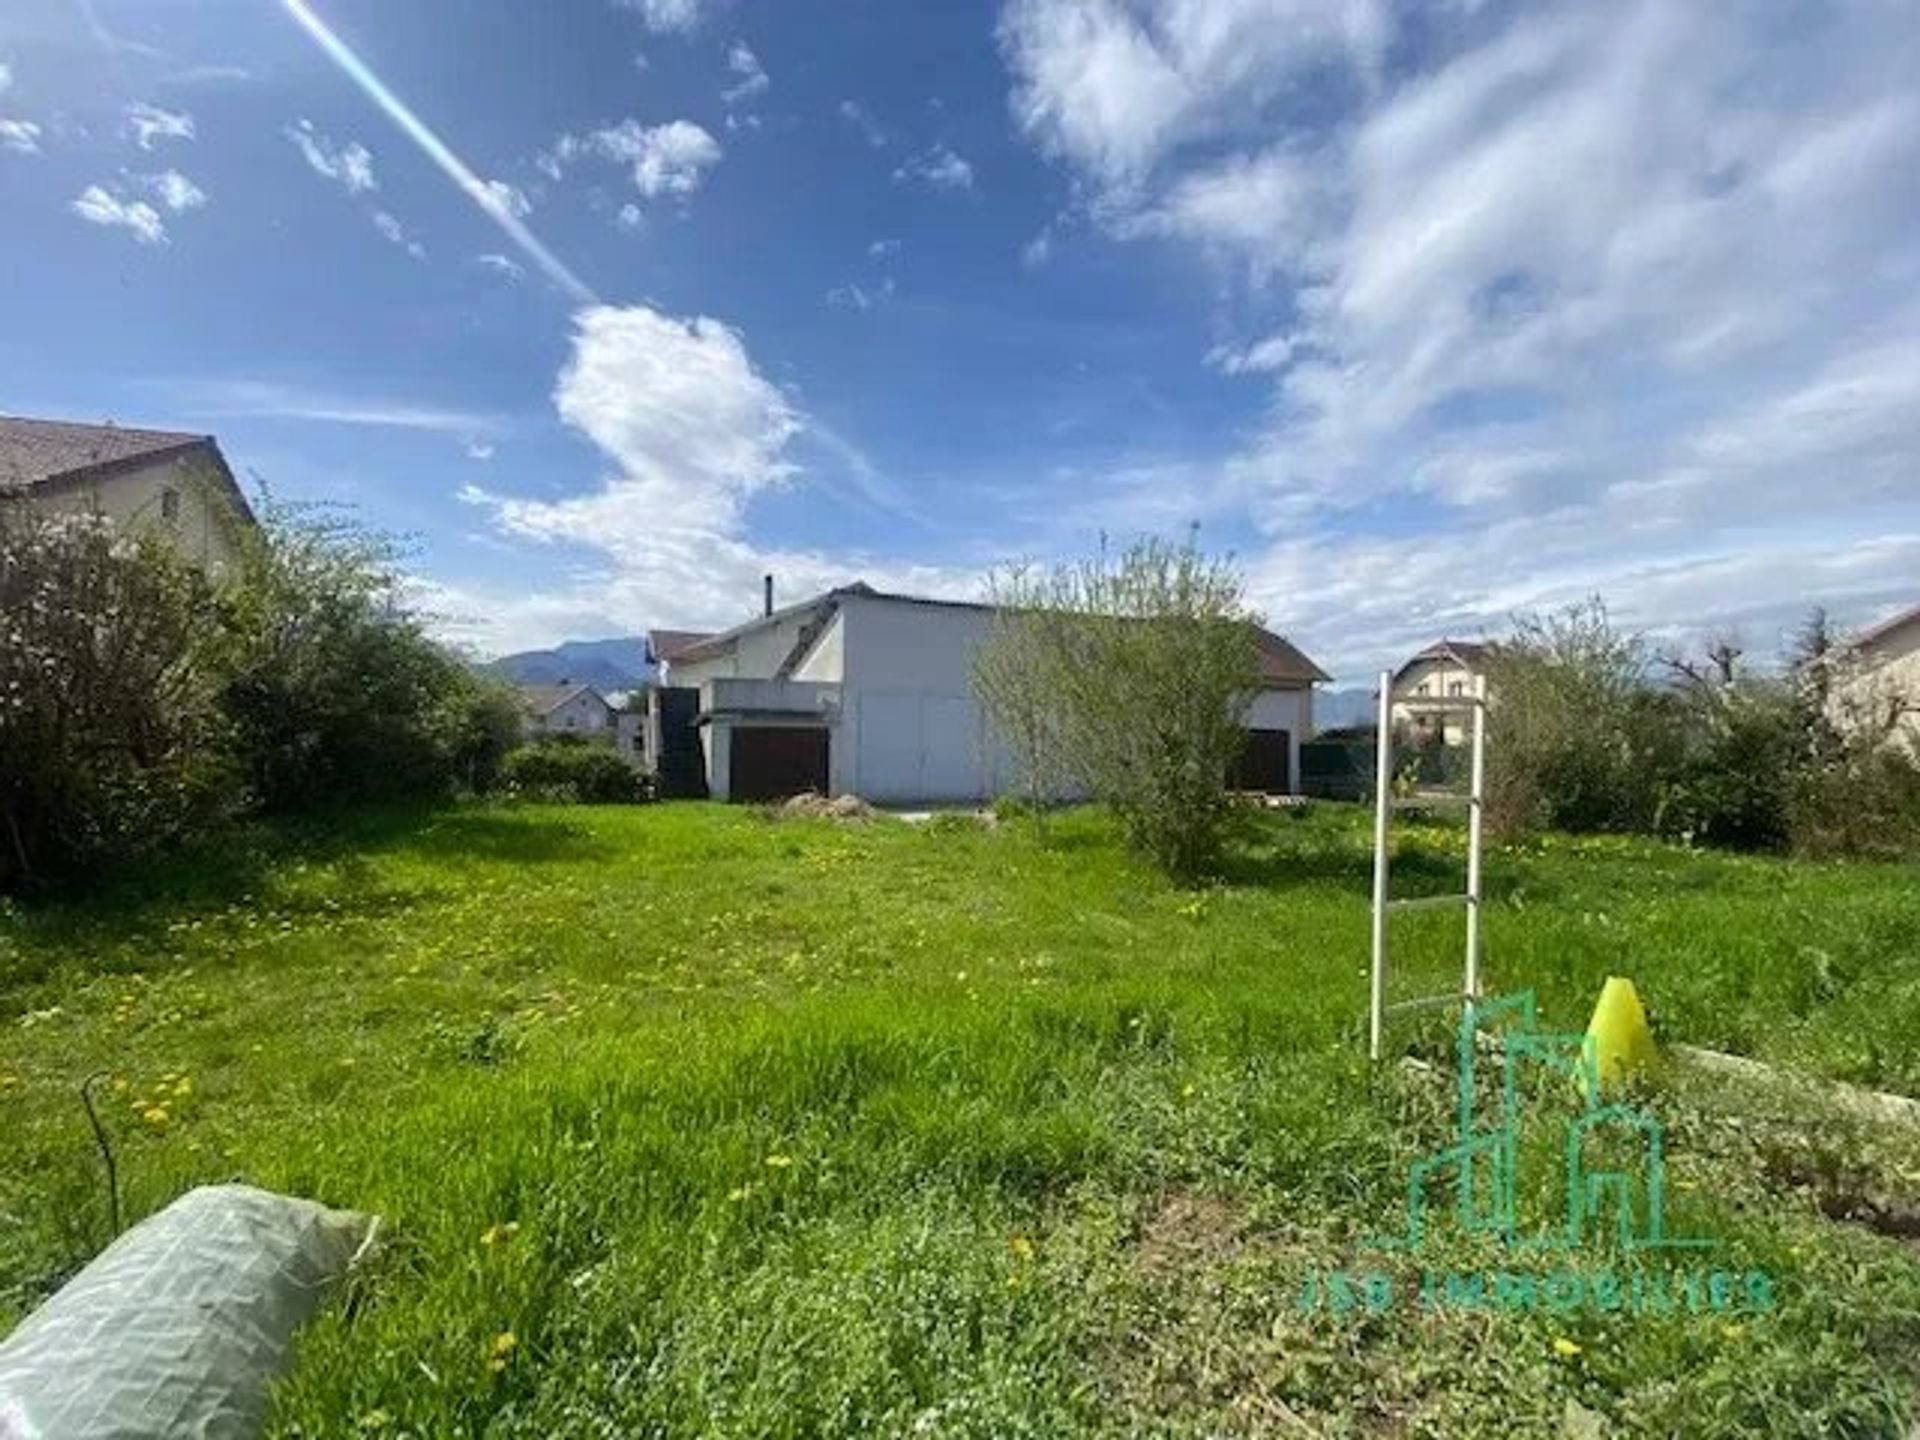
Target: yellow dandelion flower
x: 1022, y: 1248
x: 1733, y: 1332
x: 182, y: 1088
x: 779, y: 1162
x: 156, y: 1116
x: 1565, y: 1348
x: 501, y: 1350
x: 739, y: 1193
x: 500, y: 1233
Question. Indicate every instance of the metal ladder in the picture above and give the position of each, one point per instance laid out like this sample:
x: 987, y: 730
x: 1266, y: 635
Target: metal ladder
x: 1383, y: 806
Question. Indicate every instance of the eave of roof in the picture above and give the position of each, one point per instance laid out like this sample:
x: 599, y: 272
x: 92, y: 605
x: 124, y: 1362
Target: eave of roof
x: 1874, y: 634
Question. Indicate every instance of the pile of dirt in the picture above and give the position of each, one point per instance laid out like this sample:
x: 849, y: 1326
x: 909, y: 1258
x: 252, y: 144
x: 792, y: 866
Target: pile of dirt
x: 812, y: 805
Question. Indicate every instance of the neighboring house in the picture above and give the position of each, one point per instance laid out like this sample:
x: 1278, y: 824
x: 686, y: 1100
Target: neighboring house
x: 861, y: 692
x: 1878, y: 678
x: 162, y: 481
x: 567, y: 709
x: 1432, y: 691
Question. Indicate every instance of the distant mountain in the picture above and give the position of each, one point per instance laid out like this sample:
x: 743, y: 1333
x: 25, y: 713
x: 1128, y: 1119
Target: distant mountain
x: 1337, y: 709
x: 603, y: 664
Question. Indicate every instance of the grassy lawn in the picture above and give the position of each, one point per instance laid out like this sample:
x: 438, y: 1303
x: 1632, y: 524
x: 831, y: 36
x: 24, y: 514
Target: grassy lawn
x: 759, y: 1127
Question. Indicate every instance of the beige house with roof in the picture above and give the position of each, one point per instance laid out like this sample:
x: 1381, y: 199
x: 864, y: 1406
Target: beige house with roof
x: 1432, y: 690
x: 160, y: 481
x: 1878, y: 681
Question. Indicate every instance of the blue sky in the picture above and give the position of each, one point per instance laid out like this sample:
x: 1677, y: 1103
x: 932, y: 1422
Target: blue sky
x: 1428, y: 312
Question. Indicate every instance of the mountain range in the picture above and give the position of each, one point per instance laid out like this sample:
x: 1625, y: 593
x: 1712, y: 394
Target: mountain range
x: 604, y: 664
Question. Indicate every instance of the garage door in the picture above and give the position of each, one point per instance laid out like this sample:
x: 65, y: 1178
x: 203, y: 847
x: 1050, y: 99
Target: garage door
x: 1263, y: 764
x: 774, y: 761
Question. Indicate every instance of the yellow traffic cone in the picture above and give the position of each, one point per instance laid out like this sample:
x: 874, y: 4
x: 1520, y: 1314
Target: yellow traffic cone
x: 1621, y: 1039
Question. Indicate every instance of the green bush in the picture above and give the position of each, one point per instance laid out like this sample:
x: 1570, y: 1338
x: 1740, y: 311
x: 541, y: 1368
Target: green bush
x: 111, y: 738
x: 142, y: 703
x: 336, y: 692
x: 1577, y: 739
x: 1128, y: 676
x: 573, y: 774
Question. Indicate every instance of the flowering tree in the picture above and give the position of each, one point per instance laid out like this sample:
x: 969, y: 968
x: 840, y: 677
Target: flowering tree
x: 110, y: 731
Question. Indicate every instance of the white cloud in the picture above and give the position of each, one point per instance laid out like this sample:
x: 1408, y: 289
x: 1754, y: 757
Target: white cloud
x: 350, y: 164
x: 500, y: 264
x: 753, y: 81
x: 480, y: 450
x: 386, y: 223
x: 6, y: 77
x: 693, y: 428
x: 857, y: 296
x: 504, y: 199
x: 174, y: 190
x: 692, y: 432
x: 20, y: 136
x: 1613, y: 296
x: 99, y: 206
x: 149, y: 125
x: 230, y: 398
x: 1112, y: 85
x: 669, y: 159
x: 671, y: 17
x: 629, y: 217
x: 883, y: 249
x: 937, y: 166
x: 861, y: 119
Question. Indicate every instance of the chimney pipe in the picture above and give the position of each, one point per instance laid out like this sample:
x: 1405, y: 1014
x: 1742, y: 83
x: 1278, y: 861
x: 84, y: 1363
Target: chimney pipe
x: 769, y: 600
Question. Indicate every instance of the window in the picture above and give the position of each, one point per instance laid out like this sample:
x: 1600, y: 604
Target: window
x: 170, y: 506
x: 1423, y: 688
x: 1456, y: 687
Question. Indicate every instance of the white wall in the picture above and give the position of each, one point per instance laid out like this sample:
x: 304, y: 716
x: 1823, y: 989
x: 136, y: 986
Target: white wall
x: 909, y: 729
x: 1288, y: 710
x: 754, y: 655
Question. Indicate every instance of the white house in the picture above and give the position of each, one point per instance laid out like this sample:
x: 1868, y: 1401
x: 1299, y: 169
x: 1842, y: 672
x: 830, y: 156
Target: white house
x: 1430, y: 691
x: 1879, y: 677
x: 162, y: 481
x: 861, y: 692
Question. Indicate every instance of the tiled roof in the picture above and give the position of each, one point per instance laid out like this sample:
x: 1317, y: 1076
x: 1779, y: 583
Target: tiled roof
x: 1281, y: 659
x: 1470, y: 653
x: 545, y: 699
x: 37, y: 452
x: 665, y: 644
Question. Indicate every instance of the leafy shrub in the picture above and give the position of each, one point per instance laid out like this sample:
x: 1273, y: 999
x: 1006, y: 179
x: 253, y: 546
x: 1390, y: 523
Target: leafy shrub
x: 111, y: 738
x: 336, y: 692
x: 573, y: 774
x: 142, y: 702
x: 1129, y: 677
x: 1577, y: 738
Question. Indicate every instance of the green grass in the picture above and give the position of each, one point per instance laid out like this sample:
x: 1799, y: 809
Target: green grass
x: 809, y: 1128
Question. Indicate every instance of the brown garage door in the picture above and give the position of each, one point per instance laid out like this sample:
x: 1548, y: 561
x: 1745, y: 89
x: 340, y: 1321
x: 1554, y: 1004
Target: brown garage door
x: 1263, y: 764
x: 771, y: 762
